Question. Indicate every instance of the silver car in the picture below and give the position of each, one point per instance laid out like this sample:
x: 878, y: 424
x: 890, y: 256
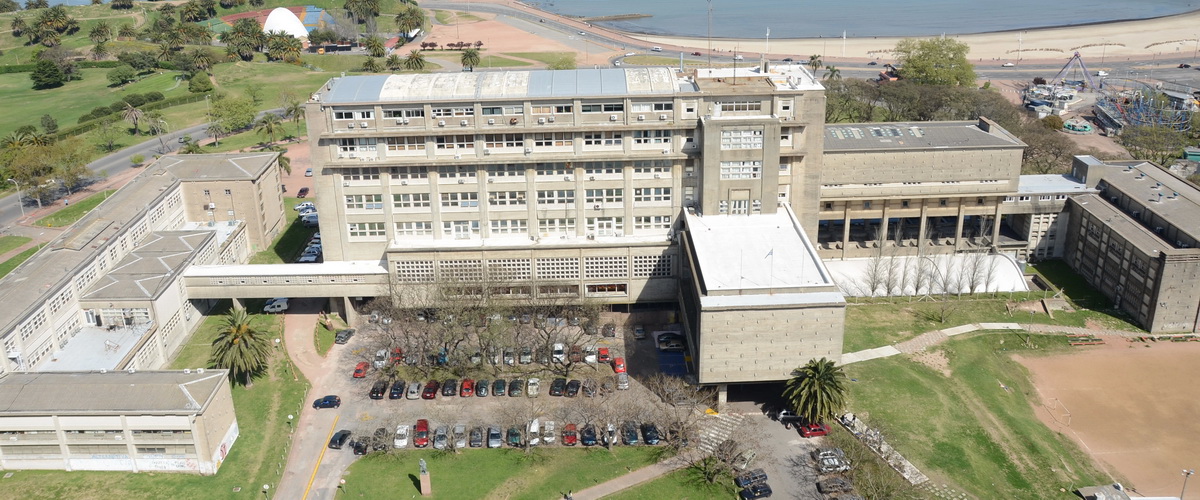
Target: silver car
x: 494, y: 438
x: 441, y: 437
x: 414, y: 391
x: 460, y: 436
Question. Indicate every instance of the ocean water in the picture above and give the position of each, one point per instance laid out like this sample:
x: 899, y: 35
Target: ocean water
x: 858, y: 18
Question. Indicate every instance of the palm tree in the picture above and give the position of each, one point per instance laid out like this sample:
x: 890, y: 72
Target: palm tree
x: 18, y: 26
x: 371, y: 65
x: 215, y: 129
x: 816, y: 392
x: 270, y: 124
x: 202, y: 59
x: 127, y: 31
x: 191, y: 148
x: 291, y: 48
x: 132, y: 115
x: 374, y: 46
x: 101, y: 32
x: 814, y: 62
x: 240, y: 348
x: 470, y: 58
x: 285, y: 164
x: 393, y: 62
x: 415, y: 61
x: 834, y: 73
x: 409, y: 19
x: 294, y: 109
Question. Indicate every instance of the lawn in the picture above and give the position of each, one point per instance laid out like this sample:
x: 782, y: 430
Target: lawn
x: 12, y: 263
x: 975, y: 427
x: 679, y: 485
x: 323, y: 339
x: 10, y: 243
x: 542, y: 57
x: 256, y: 457
x: 69, y: 214
x: 288, y: 245
x: 507, y: 473
x: 453, y: 17
x: 501, y: 62
x: 68, y: 102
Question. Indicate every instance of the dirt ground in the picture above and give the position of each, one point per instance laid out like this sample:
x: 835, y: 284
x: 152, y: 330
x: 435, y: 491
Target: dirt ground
x: 1132, y: 407
x: 499, y: 37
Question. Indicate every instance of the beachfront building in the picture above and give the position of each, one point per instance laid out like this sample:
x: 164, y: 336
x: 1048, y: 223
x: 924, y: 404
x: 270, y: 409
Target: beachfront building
x: 137, y: 421
x: 108, y: 293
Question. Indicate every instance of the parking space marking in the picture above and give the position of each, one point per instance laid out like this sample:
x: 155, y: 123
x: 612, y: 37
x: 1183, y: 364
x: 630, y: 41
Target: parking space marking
x: 320, y: 457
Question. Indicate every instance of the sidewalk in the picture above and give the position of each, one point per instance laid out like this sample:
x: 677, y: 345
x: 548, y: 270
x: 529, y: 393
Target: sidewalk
x: 634, y: 478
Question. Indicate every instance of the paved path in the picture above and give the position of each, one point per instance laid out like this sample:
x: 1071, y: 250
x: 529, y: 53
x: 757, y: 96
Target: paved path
x: 634, y: 478
x: 930, y: 339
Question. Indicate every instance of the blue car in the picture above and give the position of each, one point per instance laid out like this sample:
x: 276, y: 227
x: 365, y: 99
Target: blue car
x: 327, y: 402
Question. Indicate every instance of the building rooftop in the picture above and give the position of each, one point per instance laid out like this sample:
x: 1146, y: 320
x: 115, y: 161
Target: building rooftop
x: 761, y: 251
x: 149, y: 269
x: 1174, y: 199
x: 916, y: 135
x: 220, y: 166
x: 479, y: 85
x: 143, y: 392
x: 791, y: 77
x: 1122, y: 224
x: 348, y: 267
x: 97, y: 348
x: 1052, y: 183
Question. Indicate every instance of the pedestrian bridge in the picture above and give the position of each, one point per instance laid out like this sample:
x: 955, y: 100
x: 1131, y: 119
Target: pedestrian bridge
x: 260, y: 281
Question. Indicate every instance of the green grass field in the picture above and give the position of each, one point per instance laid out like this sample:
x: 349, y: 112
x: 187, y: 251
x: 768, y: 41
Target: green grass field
x: 682, y: 484
x: 67, y: 215
x: 546, y: 473
x: 288, y: 245
x: 68, y: 102
x: 16, y: 260
x: 975, y: 427
x: 501, y: 62
x: 255, y: 459
x: 10, y: 243
x: 542, y: 57
x: 323, y: 339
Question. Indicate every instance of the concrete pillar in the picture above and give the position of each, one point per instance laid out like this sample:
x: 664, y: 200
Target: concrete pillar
x: 722, y: 397
x: 350, y: 314
x: 959, y: 227
x: 238, y: 304
x: 921, y: 231
x: 845, y: 231
x: 996, y: 217
x: 883, y: 227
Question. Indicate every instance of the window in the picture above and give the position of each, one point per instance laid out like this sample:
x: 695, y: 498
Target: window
x: 604, y: 108
x: 455, y: 141
x: 228, y: 192
x: 360, y: 174
x: 742, y: 139
x: 652, y: 167
x: 417, y: 228
x: 410, y: 200
x: 492, y: 110
x: 506, y: 198
x: 351, y: 115
x: 556, y: 290
x: 405, y: 143
x: 903, y: 203
x: 415, y: 271
x: 606, y: 267
x: 646, y: 107
x: 406, y: 173
x: 543, y: 140
x: 558, y: 268
x: 741, y: 169
x: 658, y: 194
x: 741, y: 106
x: 1020, y: 198
x: 606, y: 226
x: 356, y: 145
x: 509, y: 170
x: 652, y: 266
x: 607, y: 289
x: 612, y: 195
x: 652, y: 222
x: 556, y: 197
x: 366, y: 229
x: 602, y: 167
x: 651, y: 136
x: 460, y: 200
x: 404, y: 113
x: 550, y: 109
x: 503, y: 141
x: 457, y: 172
x: 443, y: 112
x: 602, y: 138
x: 510, y: 226
x: 460, y: 230
x: 554, y: 169
x: 553, y: 226
x: 364, y: 201
x: 866, y: 205
x: 206, y: 193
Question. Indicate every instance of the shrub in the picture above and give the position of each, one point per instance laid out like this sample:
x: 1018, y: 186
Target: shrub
x: 153, y: 96
x: 135, y: 100
x: 199, y: 84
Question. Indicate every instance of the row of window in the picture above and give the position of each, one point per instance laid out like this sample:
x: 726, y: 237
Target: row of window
x: 506, y: 141
x: 601, y: 226
x: 659, y: 167
x: 470, y: 199
x: 510, y: 110
x: 547, y: 268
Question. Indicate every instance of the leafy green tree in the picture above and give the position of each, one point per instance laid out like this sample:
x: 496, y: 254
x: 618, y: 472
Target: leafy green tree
x: 121, y: 75
x: 18, y: 26
x: 1157, y: 143
x: 9, y: 6
x: 100, y: 50
x: 817, y: 391
x: 200, y: 84
x: 410, y: 18
x: 935, y: 61
x: 371, y: 65
x: 140, y: 60
x: 269, y: 125
x: 126, y: 31
x: 121, y: 4
x: 293, y: 108
x: 241, y: 348
x: 233, y: 113
x: 46, y: 75
x: 414, y: 61
x: 108, y: 135
x: 191, y: 148
x: 137, y: 160
x: 49, y: 125
x: 36, y: 4
x: 470, y: 58
x: 374, y: 46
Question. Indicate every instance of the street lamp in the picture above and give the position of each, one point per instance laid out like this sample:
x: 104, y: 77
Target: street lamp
x: 19, y: 202
x: 290, y: 417
x: 1186, y: 474
x: 342, y: 485
x: 266, y: 487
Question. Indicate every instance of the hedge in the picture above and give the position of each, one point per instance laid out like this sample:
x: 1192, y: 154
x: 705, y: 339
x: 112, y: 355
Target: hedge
x: 165, y: 103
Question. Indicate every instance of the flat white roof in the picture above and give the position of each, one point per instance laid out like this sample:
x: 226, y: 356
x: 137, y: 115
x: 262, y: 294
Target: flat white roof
x: 1057, y: 184
x: 782, y: 76
x: 761, y: 251
x: 526, y: 241
x: 331, y: 267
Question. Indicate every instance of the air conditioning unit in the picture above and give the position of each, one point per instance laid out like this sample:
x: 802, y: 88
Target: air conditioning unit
x: 567, y: 178
x: 591, y: 236
x: 551, y: 119
x: 212, y: 206
x: 463, y: 123
x: 612, y: 118
x: 662, y: 117
x: 340, y: 156
x: 441, y: 123
x: 491, y: 180
x: 487, y: 152
x: 541, y: 121
x: 491, y: 121
x: 641, y: 118
x: 457, y: 157
x: 350, y: 125
x: 462, y: 181
x: 406, y: 121
x: 619, y: 233
x: 403, y: 183
x: 362, y: 124
x: 657, y: 176
x: 592, y: 178
x: 528, y: 150
x: 596, y: 207
x: 400, y: 121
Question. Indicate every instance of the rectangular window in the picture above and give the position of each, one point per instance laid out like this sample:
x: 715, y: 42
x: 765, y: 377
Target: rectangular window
x: 417, y: 228
x: 741, y: 169
x: 616, y: 289
x: 360, y: 174
x: 496, y: 141
x: 543, y: 140
x: 612, y: 195
x: 652, y: 167
x: 556, y: 226
x: 652, y: 266
x: 606, y: 267
x: 506, y: 198
x: 455, y: 141
x: 460, y: 229
x: 651, y: 195
x: 405, y: 143
x: 492, y: 110
x: 602, y: 138
x: 741, y: 106
x: 550, y: 109
x: 356, y: 145
x: 366, y: 229
x: 351, y: 115
x: 444, y: 112
x: 651, y: 136
x: 556, y: 197
x: 508, y: 170
x: 410, y: 200
x: 742, y: 139
x: 646, y: 107
x: 364, y: 201
x: 555, y: 169
x: 604, y: 108
x: 457, y: 172
x: 510, y: 226
x: 404, y: 113
x: 652, y: 222
x: 602, y: 167
x: 461, y: 200
x: 406, y: 173
x: 415, y: 271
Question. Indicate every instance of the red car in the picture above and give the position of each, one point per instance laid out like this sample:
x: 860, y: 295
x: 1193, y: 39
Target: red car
x: 813, y: 430
x: 421, y: 434
x: 603, y: 355
x: 468, y: 388
x: 431, y: 390
x: 397, y: 356
x: 619, y: 365
x: 360, y: 371
x: 569, y: 435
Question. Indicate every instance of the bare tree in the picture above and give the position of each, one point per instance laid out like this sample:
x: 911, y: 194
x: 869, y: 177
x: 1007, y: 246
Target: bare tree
x: 520, y: 415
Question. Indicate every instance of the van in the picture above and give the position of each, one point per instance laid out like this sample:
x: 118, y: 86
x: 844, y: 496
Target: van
x: 655, y: 49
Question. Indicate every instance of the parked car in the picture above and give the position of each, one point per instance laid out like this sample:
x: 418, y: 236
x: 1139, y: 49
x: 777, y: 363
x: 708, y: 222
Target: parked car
x: 476, y: 439
x: 441, y: 437
x: 498, y: 387
x: 834, y: 485
x: 421, y: 434
x: 308, y: 172
x: 516, y: 388
x: 748, y: 478
x: 589, y: 355
x: 360, y: 370
x: 378, y: 389
x: 809, y: 429
x: 509, y: 358
x: 460, y: 436
x: 302, y: 192
x: 359, y: 447
x: 761, y: 490
x: 308, y: 259
x: 671, y: 346
x: 400, y: 442
x: 558, y: 386
x: 587, y: 436
x: 603, y: 355
x: 622, y: 381
x: 639, y: 332
x: 514, y: 437
x: 618, y: 365
x: 830, y: 460
x: 276, y: 305
x: 494, y: 438
x: 744, y: 459
x: 481, y: 388
x: 650, y: 433
x: 431, y: 390
x: 534, y: 437
x: 305, y: 204
x: 468, y: 388
x: 610, y: 329
x: 339, y: 439
x: 414, y: 390
x: 570, y: 435
x: 548, y: 434
x: 572, y: 389
x: 343, y: 336
x: 327, y: 402
x: 533, y: 387
x: 629, y: 433
x: 397, y: 391
x: 450, y: 387
x: 576, y: 354
x: 558, y: 353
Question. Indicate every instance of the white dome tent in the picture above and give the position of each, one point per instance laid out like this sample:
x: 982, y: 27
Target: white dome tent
x: 284, y: 20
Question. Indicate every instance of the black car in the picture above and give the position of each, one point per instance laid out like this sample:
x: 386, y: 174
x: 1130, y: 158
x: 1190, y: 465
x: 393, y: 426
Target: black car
x: 748, y: 478
x: 558, y: 386
x: 481, y: 388
x: 516, y: 387
x: 339, y: 439
x: 397, y: 391
x: 756, y: 491
x: 377, y: 390
x: 302, y: 192
x: 476, y: 439
x: 514, y: 437
x: 650, y: 433
x: 629, y: 433
x: 360, y: 447
x: 327, y: 402
x: 450, y: 387
x: 587, y: 436
x: 834, y: 485
x: 573, y: 388
x: 343, y: 336
x: 498, y: 387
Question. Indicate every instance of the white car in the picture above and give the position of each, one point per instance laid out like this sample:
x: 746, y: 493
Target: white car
x: 589, y: 355
x: 306, y: 204
x: 532, y: 387
x: 414, y: 391
x: 534, y: 430
x: 401, y: 441
x: 559, y: 353
x: 381, y: 358
x: 1007, y: 65
x: 1101, y: 73
x: 548, y: 432
x: 630, y: 54
x: 460, y: 436
x: 276, y: 305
